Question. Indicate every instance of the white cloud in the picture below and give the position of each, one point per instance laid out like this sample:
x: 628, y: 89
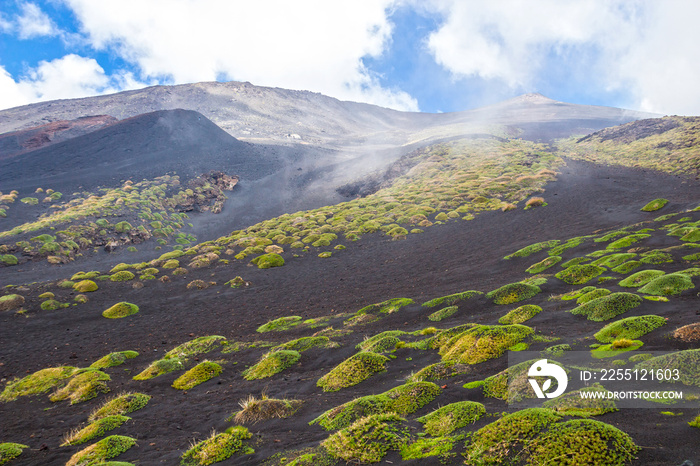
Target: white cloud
x: 71, y: 76
x: 644, y: 48
x: 34, y: 23
x: 310, y: 44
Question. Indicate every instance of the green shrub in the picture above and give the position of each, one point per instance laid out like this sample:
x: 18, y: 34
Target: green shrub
x: 627, y: 241
x: 124, y: 403
x: 591, y: 295
x: 352, y: 371
x: 122, y: 276
x: 482, y: 342
x: 37, y: 383
x: 687, y: 362
x: 83, y: 387
x: 218, y: 447
x: 402, y: 400
x: 613, y: 260
x: 513, y: 293
x: 52, y: 305
x: 85, y: 286
x: 533, y: 248
x: 303, y: 344
x: 445, y: 420
x: 8, y: 259
x: 440, y: 370
x: 199, y: 345
x: 666, y: 285
x: 272, y: 363
x: 198, y: 374
x: 579, y: 274
x: 372, y: 341
x: 98, y: 453
x: 544, y: 264
x: 452, y: 298
x: 386, y: 307
x: 631, y: 328
x: 655, y: 205
x: 160, y: 367
x: 11, y: 301
x: 113, y: 359
x: 367, y: 440
x: 504, y: 441
x: 10, y: 451
x: 427, y: 447
x: 269, y: 260
x: 520, y: 314
x: 94, y: 430
x: 443, y: 313
x: 123, y: 227
x: 574, y: 404
x: 640, y: 278
x: 607, y: 307
x: 119, y: 310
x: 278, y: 325
x: 627, y: 267
x: 66, y: 284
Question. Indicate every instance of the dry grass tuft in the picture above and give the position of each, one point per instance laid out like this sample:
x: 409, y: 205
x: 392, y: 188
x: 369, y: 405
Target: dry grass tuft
x: 255, y: 409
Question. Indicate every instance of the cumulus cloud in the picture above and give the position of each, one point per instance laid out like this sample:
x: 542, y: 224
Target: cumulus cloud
x: 70, y: 76
x: 310, y: 44
x: 643, y: 48
x: 33, y: 22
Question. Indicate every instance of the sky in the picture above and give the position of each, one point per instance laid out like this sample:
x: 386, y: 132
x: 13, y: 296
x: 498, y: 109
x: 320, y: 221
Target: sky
x: 413, y: 55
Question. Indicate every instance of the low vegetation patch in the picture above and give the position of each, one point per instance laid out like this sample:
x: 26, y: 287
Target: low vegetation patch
x: 113, y: 359
x: 579, y: 274
x: 627, y: 241
x: 278, y: 325
x: 444, y: 313
x: 199, y: 345
x: 122, y: 276
x: 654, y: 205
x: 83, y: 387
x: 402, y: 400
x: 573, y: 404
x: 100, y: 452
x: 505, y: 440
x: 667, y: 285
x: 96, y: 429
x: 386, y: 307
x: 631, y: 328
x: 119, y: 310
x: 591, y: 295
x: 520, y: 314
x: 533, y: 248
x: 445, y: 420
x: 513, y: 293
x: 452, y: 298
x: 688, y: 333
x: 483, y: 342
x: 37, y: 383
x: 120, y: 405
x: 440, y: 370
x: 160, y: 367
x: 85, y: 286
x: 10, y: 451
x: 218, y: 447
x: 11, y: 301
x: 367, y: 440
x: 543, y: 265
x: 627, y: 267
x: 352, y: 371
x: 640, y: 278
x: 687, y: 362
x: 255, y: 409
x: 607, y: 307
x: 272, y: 363
x: 267, y: 261
x: 200, y: 373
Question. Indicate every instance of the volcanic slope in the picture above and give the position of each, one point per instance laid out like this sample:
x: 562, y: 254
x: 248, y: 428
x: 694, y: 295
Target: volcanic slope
x: 345, y: 290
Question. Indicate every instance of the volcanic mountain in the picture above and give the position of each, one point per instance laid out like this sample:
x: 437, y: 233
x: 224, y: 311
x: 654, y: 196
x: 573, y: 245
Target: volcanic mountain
x: 239, y: 275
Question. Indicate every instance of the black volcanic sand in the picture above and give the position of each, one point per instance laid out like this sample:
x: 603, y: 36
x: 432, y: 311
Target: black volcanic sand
x: 445, y: 259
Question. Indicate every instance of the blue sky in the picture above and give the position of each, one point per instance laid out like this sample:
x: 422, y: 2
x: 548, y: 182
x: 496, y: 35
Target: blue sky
x: 430, y: 55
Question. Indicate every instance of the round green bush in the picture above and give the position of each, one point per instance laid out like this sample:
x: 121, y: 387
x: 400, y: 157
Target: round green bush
x: 513, y: 293
x: 119, y: 310
x: 666, y: 285
x: 579, y: 274
x: 122, y: 276
x: 267, y: 261
x: 609, y: 306
x: 85, y: 286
